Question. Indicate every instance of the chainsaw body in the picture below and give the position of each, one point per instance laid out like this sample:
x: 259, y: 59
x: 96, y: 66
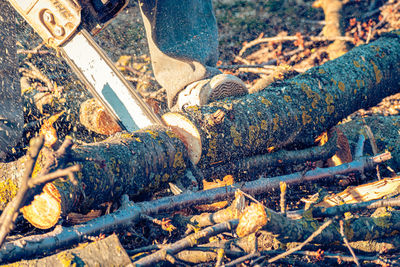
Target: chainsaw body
x: 68, y: 26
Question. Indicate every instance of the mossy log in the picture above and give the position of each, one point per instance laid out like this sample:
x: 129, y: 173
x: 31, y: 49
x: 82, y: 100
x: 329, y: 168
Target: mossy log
x: 355, y: 229
x: 385, y: 132
x: 104, y: 252
x: 128, y: 163
x: 294, y: 111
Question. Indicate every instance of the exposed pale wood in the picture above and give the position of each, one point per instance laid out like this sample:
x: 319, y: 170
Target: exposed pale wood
x: 187, y: 132
x: 365, y: 192
x: 104, y: 252
x: 94, y: 117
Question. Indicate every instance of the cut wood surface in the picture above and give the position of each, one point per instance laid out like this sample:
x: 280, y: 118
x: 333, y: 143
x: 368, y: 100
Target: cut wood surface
x: 366, y: 192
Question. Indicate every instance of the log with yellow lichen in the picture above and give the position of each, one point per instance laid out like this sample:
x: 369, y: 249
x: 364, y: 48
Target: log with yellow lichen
x: 287, y: 230
x: 294, y: 111
x: 128, y: 163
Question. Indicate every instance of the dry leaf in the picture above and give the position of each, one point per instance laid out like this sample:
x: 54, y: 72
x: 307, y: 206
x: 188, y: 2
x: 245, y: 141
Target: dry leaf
x: 227, y: 180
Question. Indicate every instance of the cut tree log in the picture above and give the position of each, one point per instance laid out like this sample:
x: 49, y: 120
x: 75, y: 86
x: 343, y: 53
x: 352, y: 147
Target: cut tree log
x: 286, y: 113
x: 104, y: 252
x: 126, y: 163
x: 295, y: 111
x: 356, y: 229
x: 96, y: 118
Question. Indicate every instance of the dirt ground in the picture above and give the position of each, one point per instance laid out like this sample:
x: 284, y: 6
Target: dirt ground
x: 239, y: 22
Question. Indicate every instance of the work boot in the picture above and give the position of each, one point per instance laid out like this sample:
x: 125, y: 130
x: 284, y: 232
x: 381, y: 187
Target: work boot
x: 204, y: 91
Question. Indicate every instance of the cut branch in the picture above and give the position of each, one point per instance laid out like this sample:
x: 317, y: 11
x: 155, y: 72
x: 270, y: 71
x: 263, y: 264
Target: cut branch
x: 295, y: 111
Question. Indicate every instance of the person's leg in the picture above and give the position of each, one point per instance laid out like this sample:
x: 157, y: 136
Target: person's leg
x: 11, y: 114
x: 183, y: 42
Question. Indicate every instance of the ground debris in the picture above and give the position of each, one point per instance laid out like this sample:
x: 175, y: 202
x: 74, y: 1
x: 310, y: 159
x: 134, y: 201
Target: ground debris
x: 262, y: 42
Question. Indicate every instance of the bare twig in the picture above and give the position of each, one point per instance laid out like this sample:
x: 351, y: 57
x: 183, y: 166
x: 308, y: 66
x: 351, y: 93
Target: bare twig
x: 292, y: 38
x: 372, y: 30
x: 267, y: 65
x: 383, y: 20
x: 47, y: 178
x: 30, y: 187
x: 10, y: 213
x: 299, y: 247
x: 372, y: 141
x: 187, y: 242
x: 220, y: 256
x: 283, y: 187
x: 318, y: 212
x: 347, y: 243
x: 359, y: 150
x: 133, y: 252
x: 243, y: 259
x: 255, y: 164
x: 318, y: 254
x: 33, y: 51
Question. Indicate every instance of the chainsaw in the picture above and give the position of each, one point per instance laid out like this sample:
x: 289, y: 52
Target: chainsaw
x: 69, y: 27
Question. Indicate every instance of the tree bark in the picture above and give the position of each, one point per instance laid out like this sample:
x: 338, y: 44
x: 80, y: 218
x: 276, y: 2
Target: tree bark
x: 129, y: 163
x: 356, y: 229
x: 293, y: 112
x: 104, y: 252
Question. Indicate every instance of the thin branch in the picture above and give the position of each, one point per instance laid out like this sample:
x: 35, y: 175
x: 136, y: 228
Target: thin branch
x: 10, y: 213
x: 243, y: 259
x: 50, y: 177
x: 32, y: 186
x: 347, y: 243
x: 187, y: 242
x: 383, y: 20
x: 283, y: 187
x: 255, y: 164
x: 299, y: 247
x: 293, y: 38
x: 359, y: 150
x: 318, y: 212
x: 33, y: 51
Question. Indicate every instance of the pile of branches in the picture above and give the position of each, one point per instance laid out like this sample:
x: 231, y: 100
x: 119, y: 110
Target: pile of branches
x: 354, y: 226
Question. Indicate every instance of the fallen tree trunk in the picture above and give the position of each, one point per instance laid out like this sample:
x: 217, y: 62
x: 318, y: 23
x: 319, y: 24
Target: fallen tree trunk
x: 103, y: 252
x: 133, y: 164
x: 356, y: 229
x: 294, y: 111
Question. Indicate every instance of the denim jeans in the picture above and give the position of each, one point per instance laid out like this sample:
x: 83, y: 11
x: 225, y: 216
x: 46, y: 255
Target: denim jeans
x: 183, y: 40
